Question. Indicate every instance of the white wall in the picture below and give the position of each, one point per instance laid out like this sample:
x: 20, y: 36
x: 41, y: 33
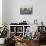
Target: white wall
x: 4, y: 11
x: 12, y: 11
x: 0, y: 13
x: 15, y: 13
x: 40, y: 10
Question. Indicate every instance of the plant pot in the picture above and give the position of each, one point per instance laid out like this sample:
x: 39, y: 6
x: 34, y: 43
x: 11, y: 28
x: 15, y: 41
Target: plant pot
x: 2, y: 40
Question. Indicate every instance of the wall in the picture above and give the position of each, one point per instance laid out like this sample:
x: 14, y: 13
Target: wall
x: 40, y: 10
x: 0, y: 13
x: 4, y: 11
x: 15, y: 11
x: 12, y: 11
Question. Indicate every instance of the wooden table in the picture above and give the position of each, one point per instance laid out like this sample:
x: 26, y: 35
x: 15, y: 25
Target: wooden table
x: 27, y: 43
x: 23, y: 42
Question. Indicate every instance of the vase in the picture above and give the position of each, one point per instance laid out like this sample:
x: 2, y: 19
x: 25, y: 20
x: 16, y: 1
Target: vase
x: 2, y: 40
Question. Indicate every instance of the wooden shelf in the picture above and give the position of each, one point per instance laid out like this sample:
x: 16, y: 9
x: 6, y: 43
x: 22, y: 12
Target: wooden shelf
x: 19, y: 29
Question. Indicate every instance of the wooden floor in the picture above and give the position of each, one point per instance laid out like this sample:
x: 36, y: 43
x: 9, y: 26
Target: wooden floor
x: 42, y: 45
x: 32, y: 45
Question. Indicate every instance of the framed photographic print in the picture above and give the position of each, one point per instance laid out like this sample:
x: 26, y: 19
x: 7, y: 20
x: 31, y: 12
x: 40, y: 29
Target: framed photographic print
x: 26, y: 11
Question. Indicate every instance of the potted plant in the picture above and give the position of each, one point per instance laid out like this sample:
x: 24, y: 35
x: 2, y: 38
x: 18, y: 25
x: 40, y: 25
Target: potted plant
x: 3, y: 34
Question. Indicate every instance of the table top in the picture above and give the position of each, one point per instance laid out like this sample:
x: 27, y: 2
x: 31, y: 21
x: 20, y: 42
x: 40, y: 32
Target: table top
x: 22, y: 40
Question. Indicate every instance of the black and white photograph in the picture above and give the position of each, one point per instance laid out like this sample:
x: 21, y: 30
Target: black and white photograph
x: 26, y: 10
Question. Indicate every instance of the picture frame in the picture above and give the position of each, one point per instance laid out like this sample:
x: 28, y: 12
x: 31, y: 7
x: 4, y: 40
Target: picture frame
x: 26, y: 11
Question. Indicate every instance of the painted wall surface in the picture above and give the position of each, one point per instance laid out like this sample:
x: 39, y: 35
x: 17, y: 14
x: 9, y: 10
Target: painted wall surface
x: 12, y: 11
x: 40, y: 10
x: 15, y: 11
x: 0, y: 13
